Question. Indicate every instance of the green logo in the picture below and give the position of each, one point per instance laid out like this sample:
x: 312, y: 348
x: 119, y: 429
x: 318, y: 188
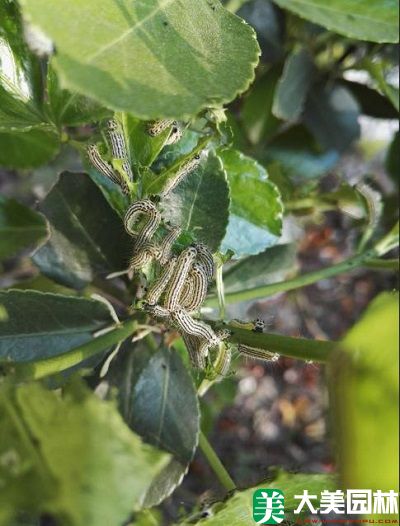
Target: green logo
x: 268, y: 506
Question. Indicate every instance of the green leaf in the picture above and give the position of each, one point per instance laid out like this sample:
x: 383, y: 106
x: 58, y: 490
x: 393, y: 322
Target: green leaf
x: 371, y: 20
x: 293, y: 86
x: 331, y: 114
x: 42, y: 325
x: 28, y: 149
x: 87, y: 236
x: 165, y: 483
x: 238, y: 510
x: 17, y: 114
x: 122, y: 62
x: 20, y: 227
x: 74, y: 458
x: 71, y: 109
x: 158, y: 400
x: 199, y: 204
x: 392, y: 159
x: 258, y: 119
x: 261, y: 269
x: 255, y: 215
x: 365, y: 390
x: 371, y: 102
x: 297, y: 153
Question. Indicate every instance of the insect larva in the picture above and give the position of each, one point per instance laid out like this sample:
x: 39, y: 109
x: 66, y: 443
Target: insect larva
x: 118, y: 146
x: 138, y: 208
x: 205, y: 257
x: 156, y: 310
x: 197, y: 358
x: 160, y: 284
x: 194, y: 327
x: 197, y: 289
x: 247, y: 325
x: 166, y: 244
x: 142, y: 256
x: 174, y: 136
x: 182, y: 268
x: 155, y: 128
x: 257, y: 354
x: 223, y: 360
x: 183, y: 171
x: 100, y: 164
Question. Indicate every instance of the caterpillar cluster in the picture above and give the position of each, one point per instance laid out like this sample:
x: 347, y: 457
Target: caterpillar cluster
x: 183, y: 280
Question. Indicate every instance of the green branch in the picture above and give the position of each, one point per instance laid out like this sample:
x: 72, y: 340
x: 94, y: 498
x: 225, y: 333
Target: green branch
x: 300, y: 348
x: 295, y: 283
x: 57, y: 364
x: 215, y: 463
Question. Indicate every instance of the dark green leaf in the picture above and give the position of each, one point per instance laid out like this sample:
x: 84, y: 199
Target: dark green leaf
x: 371, y: 102
x: 20, y: 227
x: 293, y: 86
x: 87, y: 237
x: 371, y: 20
x: 258, y: 119
x: 365, y: 391
x: 72, y: 457
x: 71, y: 109
x: 261, y: 269
x: 41, y: 325
x: 393, y: 158
x: 122, y: 63
x: 200, y: 203
x: 165, y: 483
x: 238, y: 509
x: 28, y: 149
x: 158, y: 400
x: 297, y: 153
x: 332, y: 114
x: 255, y: 215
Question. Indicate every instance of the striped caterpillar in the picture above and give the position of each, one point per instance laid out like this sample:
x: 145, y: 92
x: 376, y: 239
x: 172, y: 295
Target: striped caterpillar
x: 175, y: 135
x: 258, y: 354
x: 181, y: 272
x: 159, y: 286
x: 118, y: 146
x: 155, y: 128
x: 188, y: 167
x: 148, y: 209
x: 105, y: 168
x: 195, y: 290
x: 167, y: 243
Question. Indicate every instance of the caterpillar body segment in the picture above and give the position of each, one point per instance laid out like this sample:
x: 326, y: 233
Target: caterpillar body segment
x: 197, y: 288
x: 194, y: 327
x: 196, y: 355
x: 175, y: 135
x: 157, y: 311
x: 155, y: 128
x: 118, y: 146
x: 205, y: 257
x: 101, y: 165
x: 142, y: 256
x: 167, y: 243
x: 183, y: 265
x: 223, y: 361
x: 257, y: 354
x: 159, y: 286
x: 138, y: 208
x: 188, y: 167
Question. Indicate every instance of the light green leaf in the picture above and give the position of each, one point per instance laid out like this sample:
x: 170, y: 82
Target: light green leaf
x: 40, y: 325
x: 87, y: 236
x: 16, y: 114
x: 255, y: 218
x: 122, y: 62
x: 20, y: 227
x: 261, y: 269
x: 365, y: 390
x: 199, y: 204
x: 331, y: 114
x: 292, y: 89
x: 74, y: 458
x: 28, y: 149
x: 371, y: 20
x: 158, y: 400
x: 238, y: 510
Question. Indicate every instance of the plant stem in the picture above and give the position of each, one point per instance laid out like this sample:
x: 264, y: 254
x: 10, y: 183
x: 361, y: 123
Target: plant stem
x: 295, y: 283
x: 300, y: 348
x: 57, y: 364
x: 220, y: 292
x: 383, y: 264
x: 215, y: 463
